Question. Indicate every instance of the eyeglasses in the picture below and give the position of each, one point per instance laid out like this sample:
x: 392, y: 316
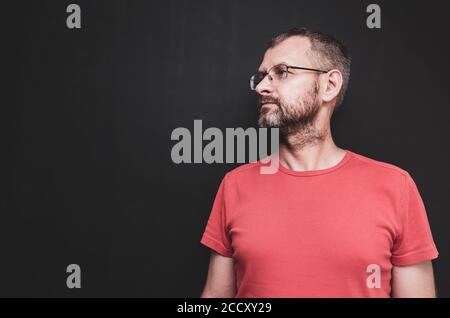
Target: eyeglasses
x: 277, y: 73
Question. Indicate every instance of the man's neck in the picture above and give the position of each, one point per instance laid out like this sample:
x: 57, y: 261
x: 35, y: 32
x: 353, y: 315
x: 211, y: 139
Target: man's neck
x: 304, y: 152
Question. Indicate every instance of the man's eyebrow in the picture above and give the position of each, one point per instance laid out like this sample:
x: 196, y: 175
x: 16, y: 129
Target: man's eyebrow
x: 264, y: 70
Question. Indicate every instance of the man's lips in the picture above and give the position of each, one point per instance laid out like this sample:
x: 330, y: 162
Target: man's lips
x: 266, y: 107
x: 266, y: 104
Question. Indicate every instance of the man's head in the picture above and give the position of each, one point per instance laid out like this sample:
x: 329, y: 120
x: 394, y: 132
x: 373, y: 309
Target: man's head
x: 291, y: 98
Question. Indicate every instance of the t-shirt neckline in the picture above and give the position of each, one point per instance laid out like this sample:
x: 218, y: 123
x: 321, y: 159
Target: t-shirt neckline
x: 344, y: 160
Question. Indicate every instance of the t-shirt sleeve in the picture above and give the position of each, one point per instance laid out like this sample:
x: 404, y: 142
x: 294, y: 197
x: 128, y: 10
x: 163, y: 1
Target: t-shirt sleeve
x: 216, y: 235
x: 414, y: 243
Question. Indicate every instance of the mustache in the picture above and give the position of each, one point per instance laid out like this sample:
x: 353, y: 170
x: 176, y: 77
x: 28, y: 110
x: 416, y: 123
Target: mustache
x: 267, y: 100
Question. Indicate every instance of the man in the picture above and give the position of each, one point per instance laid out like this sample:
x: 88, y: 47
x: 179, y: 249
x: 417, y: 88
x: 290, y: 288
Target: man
x: 329, y: 222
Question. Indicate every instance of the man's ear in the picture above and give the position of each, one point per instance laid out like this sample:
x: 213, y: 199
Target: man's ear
x: 333, y: 85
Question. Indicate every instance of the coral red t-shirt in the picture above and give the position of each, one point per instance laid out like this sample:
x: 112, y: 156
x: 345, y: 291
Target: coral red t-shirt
x: 334, y: 232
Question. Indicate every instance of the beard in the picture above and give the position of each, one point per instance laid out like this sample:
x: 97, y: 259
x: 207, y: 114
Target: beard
x: 295, y: 120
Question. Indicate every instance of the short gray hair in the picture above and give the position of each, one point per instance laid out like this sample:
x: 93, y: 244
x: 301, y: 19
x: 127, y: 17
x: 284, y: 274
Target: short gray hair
x: 328, y: 52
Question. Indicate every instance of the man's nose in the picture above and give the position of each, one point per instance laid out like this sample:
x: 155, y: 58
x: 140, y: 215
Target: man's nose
x: 264, y: 87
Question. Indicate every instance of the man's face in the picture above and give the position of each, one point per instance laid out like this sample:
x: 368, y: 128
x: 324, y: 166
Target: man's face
x: 292, y: 103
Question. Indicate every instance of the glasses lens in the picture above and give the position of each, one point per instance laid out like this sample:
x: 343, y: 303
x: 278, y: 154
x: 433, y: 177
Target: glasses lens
x: 252, y: 82
x: 279, y: 71
x: 255, y: 80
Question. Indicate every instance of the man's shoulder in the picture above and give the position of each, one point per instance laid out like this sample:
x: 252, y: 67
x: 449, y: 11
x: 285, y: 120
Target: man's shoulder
x: 377, y: 168
x: 247, y: 170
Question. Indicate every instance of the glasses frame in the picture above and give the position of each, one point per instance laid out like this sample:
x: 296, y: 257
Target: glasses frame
x: 287, y: 69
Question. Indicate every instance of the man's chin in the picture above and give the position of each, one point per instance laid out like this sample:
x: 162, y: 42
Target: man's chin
x: 268, y: 123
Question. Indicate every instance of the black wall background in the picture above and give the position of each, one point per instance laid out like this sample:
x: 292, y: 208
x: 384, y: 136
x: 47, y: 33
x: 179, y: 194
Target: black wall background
x: 87, y: 114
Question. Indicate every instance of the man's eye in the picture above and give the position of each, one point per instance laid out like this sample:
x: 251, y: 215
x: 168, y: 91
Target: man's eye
x: 281, y: 72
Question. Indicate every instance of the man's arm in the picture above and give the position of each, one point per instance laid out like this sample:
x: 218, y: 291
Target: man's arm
x: 413, y: 281
x: 220, y: 282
